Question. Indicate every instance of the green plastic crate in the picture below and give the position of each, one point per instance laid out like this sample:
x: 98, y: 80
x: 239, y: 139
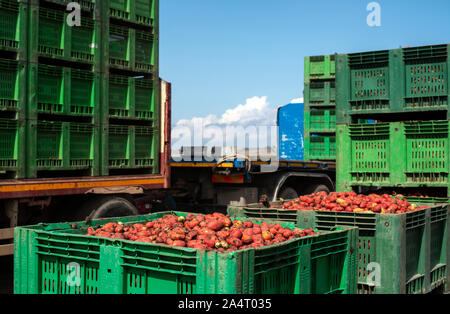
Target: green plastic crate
x: 120, y: 96
x: 131, y: 147
x: 14, y: 27
x: 411, y: 249
x: 319, y: 120
x: 320, y: 68
x: 63, y: 146
x: 397, y: 154
x: 12, y: 148
x: 132, y: 98
x: 143, y: 12
x: 145, y: 97
x: 12, y: 86
x: 320, y: 147
x: 86, y: 5
x: 43, y: 253
x: 320, y: 93
x: 64, y: 90
x: 132, y: 49
x: 393, y: 81
x: 52, y: 37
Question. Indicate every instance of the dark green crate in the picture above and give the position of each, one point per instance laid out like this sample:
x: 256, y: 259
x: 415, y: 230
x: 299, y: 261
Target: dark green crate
x: 14, y: 27
x: 42, y: 254
x: 320, y: 93
x: 52, y: 37
x: 63, y: 146
x: 393, y: 81
x: 12, y: 148
x: 13, y: 86
x: 133, y: 98
x: 64, y: 90
x: 119, y: 95
x: 319, y: 120
x: 50, y: 89
x: 132, y: 49
x: 397, y: 154
x: 143, y: 12
x: 411, y: 248
x: 145, y: 98
x: 320, y: 147
x: 320, y: 68
x: 131, y: 147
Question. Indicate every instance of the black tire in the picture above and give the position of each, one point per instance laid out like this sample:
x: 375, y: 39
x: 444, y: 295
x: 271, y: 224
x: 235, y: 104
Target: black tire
x: 317, y: 188
x: 288, y: 194
x: 105, y: 207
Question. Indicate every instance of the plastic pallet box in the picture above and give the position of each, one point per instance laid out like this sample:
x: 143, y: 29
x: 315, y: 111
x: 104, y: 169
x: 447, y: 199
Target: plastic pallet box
x: 408, y: 80
x: 13, y: 75
x: 64, y: 91
x: 132, y: 49
x: 397, y: 154
x: 44, y: 257
x: 132, y: 97
x: 12, y: 152
x: 14, y: 27
x: 410, y: 249
x: 320, y: 147
x: 143, y: 12
x: 319, y: 120
x: 51, y: 37
x: 62, y: 146
x: 320, y: 93
x: 130, y: 147
x: 320, y: 68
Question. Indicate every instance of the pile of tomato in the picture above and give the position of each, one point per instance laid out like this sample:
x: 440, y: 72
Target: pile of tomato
x: 211, y: 232
x: 352, y: 202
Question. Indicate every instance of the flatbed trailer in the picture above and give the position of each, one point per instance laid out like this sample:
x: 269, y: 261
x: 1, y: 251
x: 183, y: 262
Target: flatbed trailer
x: 238, y: 180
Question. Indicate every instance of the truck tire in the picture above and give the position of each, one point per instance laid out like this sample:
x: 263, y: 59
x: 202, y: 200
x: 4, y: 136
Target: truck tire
x: 104, y: 207
x: 317, y: 188
x: 288, y: 194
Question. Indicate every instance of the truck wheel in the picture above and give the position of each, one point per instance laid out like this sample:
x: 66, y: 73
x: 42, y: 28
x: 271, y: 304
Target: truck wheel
x: 288, y: 194
x: 104, y: 207
x: 317, y: 188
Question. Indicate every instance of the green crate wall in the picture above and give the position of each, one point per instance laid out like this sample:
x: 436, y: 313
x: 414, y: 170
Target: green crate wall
x: 319, y: 264
x: 130, y: 147
x: 319, y: 68
x: 12, y: 148
x: 393, y: 81
x: 64, y: 91
x: 410, y: 248
x: 397, y: 154
x: 132, y: 49
x: 14, y: 27
x: 62, y: 146
x: 52, y: 37
x: 131, y: 97
x: 320, y: 147
x: 13, y: 75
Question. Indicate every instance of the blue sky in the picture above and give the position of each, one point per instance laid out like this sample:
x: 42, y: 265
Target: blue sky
x: 219, y: 53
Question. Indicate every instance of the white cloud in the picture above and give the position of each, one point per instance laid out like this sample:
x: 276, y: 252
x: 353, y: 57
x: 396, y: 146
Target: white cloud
x: 238, y: 122
x: 297, y: 101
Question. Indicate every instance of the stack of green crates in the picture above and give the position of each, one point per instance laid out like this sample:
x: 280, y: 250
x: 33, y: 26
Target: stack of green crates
x: 63, y: 87
x: 407, y: 94
x: 320, y: 108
